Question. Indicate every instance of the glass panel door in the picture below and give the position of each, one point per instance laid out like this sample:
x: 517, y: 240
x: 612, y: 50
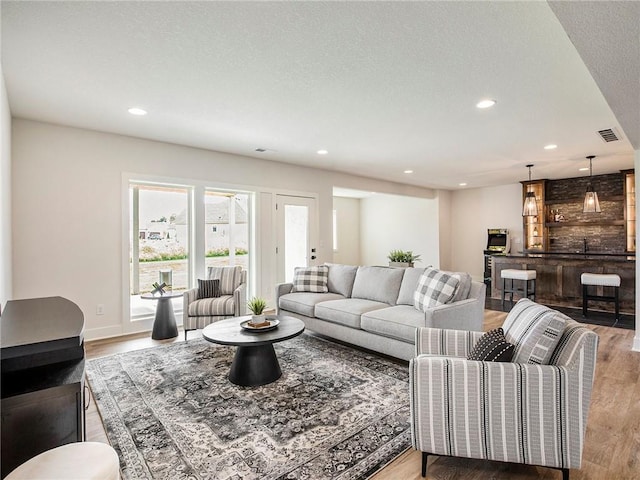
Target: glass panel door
x: 296, y: 234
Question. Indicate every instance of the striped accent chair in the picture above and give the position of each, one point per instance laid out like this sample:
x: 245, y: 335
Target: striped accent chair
x: 521, y: 412
x: 232, y: 302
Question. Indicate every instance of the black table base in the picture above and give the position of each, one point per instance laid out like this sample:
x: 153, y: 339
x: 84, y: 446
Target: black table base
x: 164, y: 325
x: 255, y: 365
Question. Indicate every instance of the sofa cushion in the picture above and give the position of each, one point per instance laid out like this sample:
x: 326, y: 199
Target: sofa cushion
x: 311, y: 279
x: 464, y: 286
x: 215, y: 306
x: 208, y: 288
x: 409, y: 284
x: 399, y: 322
x: 492, y: 347
x: 434, y: 288
x: 230, y: 278
x: 535, y: 330
x: 380, y: 284
x: 341, y: 278
x: 348, y: 311
x: 304, y: 303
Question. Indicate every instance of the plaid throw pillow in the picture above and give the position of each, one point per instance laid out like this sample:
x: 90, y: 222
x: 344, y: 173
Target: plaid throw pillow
x: 311, y: 279
x: 208, y: 288
x: 492, y: 347
x: 434, y: 288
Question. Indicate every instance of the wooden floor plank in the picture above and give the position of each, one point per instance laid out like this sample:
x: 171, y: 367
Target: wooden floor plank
x: 612, y: 441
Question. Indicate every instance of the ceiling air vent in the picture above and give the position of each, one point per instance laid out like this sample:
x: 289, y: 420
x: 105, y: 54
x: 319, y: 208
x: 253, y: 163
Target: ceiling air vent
x: 608, y: 135
x: 261, y: 150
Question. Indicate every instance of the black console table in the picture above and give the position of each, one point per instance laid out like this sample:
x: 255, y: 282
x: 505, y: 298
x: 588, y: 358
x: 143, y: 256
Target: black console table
x: 42, y: 357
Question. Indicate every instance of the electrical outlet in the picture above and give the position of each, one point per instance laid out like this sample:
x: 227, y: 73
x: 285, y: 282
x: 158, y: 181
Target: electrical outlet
x: 100, y: 309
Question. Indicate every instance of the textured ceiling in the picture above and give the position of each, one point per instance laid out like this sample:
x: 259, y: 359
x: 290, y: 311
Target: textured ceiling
x: 383, y: 86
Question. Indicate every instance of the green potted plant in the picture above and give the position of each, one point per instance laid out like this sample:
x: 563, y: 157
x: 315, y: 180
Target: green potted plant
x: 257, y: 305
x: 400, y: 258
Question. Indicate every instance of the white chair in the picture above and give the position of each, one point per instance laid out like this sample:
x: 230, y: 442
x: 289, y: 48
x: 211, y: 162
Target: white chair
x: 600, y: 280
x: 525, y: 276
x: 73, y: 461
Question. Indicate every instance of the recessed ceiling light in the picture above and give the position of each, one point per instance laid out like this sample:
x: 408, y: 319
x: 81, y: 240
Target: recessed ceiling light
x: 551, y: 146
x: 322, y: 152
x: 486, y: 103
x: 137, y: 111
x: 463, y: 184
x: 408, y: 171
x: 583, y: 169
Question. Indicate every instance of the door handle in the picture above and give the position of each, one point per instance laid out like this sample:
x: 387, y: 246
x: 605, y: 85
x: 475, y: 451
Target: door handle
x: 313, y: 257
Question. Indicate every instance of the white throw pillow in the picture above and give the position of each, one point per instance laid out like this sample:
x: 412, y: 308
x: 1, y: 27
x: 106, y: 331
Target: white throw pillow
x: 434, y: 288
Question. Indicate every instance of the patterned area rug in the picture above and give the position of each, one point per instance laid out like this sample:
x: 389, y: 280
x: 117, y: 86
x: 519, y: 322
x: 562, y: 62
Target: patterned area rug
x: 171, y: 413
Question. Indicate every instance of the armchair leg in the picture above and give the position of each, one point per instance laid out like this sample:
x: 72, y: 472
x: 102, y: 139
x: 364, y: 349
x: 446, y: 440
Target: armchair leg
x: 565, y: 474
x: 424, y: 464
x: 185, y: 335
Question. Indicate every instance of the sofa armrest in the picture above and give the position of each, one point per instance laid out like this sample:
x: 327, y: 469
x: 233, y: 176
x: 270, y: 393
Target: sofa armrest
x: 504, y: 411
x: 240, y: 300
x: 188, y: 297
x: 282, y: 289
x: 444, y: 341
x: 463, y: 315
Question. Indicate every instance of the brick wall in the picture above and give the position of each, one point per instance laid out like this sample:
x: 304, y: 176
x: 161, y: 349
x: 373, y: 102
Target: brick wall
x: 566, y: 198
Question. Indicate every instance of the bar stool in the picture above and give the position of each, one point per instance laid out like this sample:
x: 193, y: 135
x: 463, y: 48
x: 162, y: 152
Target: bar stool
x: 603, y: 280
x: 513, y: 274
x: 78, y: 461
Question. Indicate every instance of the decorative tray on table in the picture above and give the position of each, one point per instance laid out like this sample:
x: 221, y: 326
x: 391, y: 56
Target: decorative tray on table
x: 266, y: 325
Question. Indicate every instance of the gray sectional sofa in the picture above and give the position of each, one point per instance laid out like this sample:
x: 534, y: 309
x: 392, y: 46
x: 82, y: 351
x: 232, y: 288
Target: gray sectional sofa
x: 373, y: 307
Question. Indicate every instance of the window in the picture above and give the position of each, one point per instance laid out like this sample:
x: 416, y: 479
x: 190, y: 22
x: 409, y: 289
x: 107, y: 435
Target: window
x: 159, y: 240
x: 227, y: 228
x: 176, y: 232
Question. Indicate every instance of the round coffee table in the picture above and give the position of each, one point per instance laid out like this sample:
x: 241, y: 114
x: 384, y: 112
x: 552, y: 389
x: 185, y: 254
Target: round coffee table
x: 164, y: 325
x: 255, y: 361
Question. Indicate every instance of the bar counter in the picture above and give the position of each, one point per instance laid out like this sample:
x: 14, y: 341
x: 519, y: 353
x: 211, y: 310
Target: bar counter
x: 558, y: 276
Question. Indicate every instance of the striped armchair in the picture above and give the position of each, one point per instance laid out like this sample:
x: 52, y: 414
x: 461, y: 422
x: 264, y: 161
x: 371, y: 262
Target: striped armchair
x: 516, y: 412
x: 232, y: 302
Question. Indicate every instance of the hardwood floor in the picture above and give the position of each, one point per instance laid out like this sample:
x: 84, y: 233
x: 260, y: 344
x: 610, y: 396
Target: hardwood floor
x: 612, y: 443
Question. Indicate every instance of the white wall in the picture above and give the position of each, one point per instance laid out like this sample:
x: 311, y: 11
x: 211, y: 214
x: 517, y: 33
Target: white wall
x: 473, y: 212
x: 392, y: 222
x: 6, y: 291
x: 67, y: 207
x: 348, y: 230
x: 445, y: 215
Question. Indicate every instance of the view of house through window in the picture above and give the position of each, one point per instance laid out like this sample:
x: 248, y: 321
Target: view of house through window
x: 226, y: 228
x: 160, y: 227
x: 160, y: 241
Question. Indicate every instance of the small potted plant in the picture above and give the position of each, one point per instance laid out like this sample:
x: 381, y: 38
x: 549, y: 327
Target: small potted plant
x: 257, y: 305
x: 400, y: 258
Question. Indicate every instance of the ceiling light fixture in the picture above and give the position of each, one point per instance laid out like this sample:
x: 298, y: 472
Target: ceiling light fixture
x: 408, y: 171
x: 530, y: 208
x: 322, y: 152
x: 583, y: 169
x: 591, y: 203
x: 551, y: 146
x: 137, y: 111
x: 486, y: 103
x: 462, y: 184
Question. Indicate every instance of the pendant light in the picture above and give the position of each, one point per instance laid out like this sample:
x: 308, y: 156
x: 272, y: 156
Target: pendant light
x: 530, y: 208
x: 591, y: 203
